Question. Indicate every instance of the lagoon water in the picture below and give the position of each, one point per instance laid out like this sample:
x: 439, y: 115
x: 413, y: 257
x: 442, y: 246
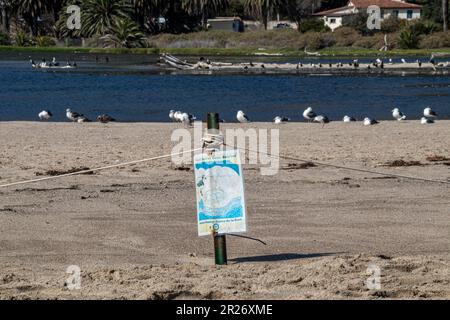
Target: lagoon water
x: 134, y: 89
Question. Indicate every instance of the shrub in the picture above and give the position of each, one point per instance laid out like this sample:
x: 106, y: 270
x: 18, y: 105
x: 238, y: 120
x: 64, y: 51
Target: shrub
x: 345, y: 36
x: 408, y: 39
x: 436, y: 40
x: 21, y: 39
x: 45, y: 41
x: 391, y: 25
x: 424, y: 27
x: 315, y: 25
x: 4, y: 39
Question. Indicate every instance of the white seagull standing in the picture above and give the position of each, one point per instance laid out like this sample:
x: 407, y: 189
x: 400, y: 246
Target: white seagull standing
x: 172, y: 115
x: 309, y: 114
x: 45, y: 115
x: 321, y: 119
x: 187, y: 118
x: 241, y: 117
x: 429, y: 113
x: 426, y: 120
x: 72, y: 116
x: 279, y: 120
x: 398, y: 115
x: 370, y: 122
x: 348, y: 119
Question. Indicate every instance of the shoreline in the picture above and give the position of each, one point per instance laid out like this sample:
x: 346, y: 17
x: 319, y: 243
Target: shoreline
x: 244, y: 52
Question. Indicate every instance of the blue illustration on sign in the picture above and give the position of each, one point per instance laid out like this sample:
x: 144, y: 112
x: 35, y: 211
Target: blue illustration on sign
x: 220, y: 192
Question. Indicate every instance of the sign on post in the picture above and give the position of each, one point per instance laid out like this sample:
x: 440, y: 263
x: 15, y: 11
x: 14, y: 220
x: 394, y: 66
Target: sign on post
x: 220, y: 193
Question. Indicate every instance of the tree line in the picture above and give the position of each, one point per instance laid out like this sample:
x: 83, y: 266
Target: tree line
x: 126, y: 22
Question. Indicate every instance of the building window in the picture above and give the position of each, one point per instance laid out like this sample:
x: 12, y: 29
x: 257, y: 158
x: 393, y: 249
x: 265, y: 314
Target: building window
x: 332, y: 21
x: 409, y: 14
x: 395, y: 14
x: 382, y: 14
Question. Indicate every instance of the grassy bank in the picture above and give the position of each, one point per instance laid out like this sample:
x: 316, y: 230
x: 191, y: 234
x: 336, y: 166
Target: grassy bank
x: 327, y: 52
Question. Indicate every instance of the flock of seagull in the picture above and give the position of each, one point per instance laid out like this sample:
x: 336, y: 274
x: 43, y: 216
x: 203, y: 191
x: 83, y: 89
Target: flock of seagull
x: 46, y: 115
x: 428, y: 117
x: 186, y: 118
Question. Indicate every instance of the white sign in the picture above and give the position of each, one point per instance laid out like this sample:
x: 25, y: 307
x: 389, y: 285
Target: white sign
x: 220, y: 193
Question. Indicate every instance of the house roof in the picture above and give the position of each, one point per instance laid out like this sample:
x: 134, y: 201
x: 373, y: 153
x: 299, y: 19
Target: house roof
x: 361, y: 4
x: 334, y: 12
x: 385, y: 4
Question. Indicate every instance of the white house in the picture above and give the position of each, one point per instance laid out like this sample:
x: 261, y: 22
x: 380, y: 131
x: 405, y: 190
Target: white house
x: 389, y: 8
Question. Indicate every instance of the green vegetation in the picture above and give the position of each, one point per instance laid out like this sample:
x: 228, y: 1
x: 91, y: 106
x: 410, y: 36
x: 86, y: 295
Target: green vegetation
x: 181, y: 26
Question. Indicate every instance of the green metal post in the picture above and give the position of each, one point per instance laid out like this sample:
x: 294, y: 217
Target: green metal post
x: 220, y: 241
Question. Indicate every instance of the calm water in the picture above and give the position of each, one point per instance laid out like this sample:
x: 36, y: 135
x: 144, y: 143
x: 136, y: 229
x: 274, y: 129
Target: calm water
x: 132, y: 89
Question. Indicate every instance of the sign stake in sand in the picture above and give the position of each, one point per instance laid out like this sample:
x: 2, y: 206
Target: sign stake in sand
x: 220, y: 190
x: 220, y: 241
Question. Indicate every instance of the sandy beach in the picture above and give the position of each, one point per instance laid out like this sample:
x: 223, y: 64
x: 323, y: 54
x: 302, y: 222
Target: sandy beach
x: 133, y: 230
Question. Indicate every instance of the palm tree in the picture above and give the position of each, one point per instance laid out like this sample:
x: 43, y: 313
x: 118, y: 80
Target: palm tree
x: 262, y: 9
x: 204, y: 8
x: 5, y: 8
x: 445, y: 14
x: 124, y: 34
x: 98, y: 16
x: 144, y: 9
x: 31, y: 11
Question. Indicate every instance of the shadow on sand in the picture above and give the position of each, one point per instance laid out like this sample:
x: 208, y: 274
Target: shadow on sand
x: 282, y: 257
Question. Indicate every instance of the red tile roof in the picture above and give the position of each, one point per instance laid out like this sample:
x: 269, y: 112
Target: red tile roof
x: 383, y: 4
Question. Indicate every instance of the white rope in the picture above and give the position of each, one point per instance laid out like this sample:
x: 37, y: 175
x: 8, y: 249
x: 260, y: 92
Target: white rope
x: 97, y: 169
x: 324, y: 164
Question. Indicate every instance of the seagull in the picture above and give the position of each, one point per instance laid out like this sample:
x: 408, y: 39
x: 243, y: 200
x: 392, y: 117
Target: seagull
x: 429, y: 113
x: 321, y: 119
x: 172, y: 115
x: 403, y: 60
x: 309, y: 114
x: 187, y: 118
x: 177, y: 116
x: 279, y: 120
x: 241, y: 117
x: 369, y: 122
x: 105, y: 118
x: 398, y: 115
x: 72, y: 116
x: 347, y: 119
x: 82, y: 119
x: 54, y: 62
x: 45, y: 115
x: 426, y: 120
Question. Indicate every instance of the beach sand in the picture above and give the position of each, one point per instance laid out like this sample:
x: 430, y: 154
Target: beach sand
x: 133, y: 230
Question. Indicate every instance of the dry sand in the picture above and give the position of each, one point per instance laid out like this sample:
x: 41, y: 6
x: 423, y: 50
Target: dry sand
x: 132, y: 231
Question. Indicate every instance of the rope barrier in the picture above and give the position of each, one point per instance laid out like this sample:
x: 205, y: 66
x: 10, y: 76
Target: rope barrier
x: 97, y: 169
x: 324, y: 164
